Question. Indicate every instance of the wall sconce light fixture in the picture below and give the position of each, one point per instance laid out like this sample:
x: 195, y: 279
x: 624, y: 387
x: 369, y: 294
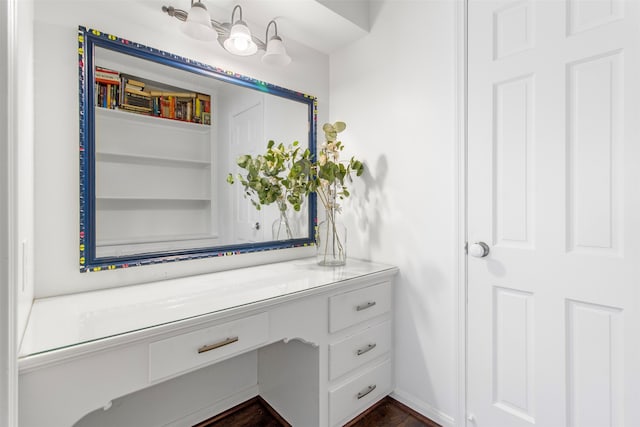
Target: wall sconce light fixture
x: 235, y: 36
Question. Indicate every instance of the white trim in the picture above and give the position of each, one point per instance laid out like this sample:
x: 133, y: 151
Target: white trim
x: 8, y: 297
x: 423, y: 408
x: 460, y: 257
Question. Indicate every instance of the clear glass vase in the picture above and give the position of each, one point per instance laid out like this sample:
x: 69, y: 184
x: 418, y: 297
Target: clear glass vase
x: 331, y: 241
x: 282, y: 228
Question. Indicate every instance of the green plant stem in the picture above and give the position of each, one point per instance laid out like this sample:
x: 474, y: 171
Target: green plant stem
x: 336, y: 244
x: 284, y: 218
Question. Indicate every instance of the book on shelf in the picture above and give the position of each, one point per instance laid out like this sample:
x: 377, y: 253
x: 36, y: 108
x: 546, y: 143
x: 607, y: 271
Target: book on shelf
x: 175, y: 94
x: 184, y: 109
x: 138, y: 100
x: 123, y: 83
x: 136, y: 108
x: 165, y: 110
x: 108, y: 81
x: 135, y: 83
x: 129, y: 86
x: 134, y: 92
x: 203, y: 109
x: 198, y: 109
x: 107, y: 87
x: 106, y: 70
x: 105, y: 75
x: 106, y: 95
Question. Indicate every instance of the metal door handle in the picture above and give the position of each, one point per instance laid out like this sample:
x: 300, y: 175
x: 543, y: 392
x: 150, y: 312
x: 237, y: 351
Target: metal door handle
x: 256, y: 226
x: 366, y: 391
x: 365, y: 305
x: 479, y: 249
x: 368, y: 348
x: 219, y: 344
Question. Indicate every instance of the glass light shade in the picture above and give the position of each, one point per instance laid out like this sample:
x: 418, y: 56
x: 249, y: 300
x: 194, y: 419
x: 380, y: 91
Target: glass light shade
x: 198, y: 24
x: 239, y: 41
x: 276, y: 53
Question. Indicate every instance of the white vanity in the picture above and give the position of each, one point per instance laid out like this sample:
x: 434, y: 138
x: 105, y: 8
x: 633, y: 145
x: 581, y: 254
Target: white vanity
x: 323, y: 338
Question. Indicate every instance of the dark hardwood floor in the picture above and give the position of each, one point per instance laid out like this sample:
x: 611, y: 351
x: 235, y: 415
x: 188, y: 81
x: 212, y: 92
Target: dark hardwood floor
x: 391, y: 413
x: 256, y: 412
x: 252, y: 413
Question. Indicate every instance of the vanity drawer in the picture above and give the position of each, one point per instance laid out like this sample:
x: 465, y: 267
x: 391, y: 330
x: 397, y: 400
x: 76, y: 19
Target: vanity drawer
x: 183, y: 352
x: 359, y: 349
x: 356, y: 306
x: 348, y: 400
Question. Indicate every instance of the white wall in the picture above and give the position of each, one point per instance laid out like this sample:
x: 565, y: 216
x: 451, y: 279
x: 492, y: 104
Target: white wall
x: 395, y: 89
x: 56, y: 132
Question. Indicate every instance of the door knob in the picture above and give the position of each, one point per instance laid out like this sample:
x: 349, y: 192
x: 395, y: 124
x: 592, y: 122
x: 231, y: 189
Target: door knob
x: 256, y: 226
x: 479, y: 249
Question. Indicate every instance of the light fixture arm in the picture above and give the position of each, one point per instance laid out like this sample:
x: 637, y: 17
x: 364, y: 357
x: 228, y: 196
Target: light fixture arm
x: 238, y: 8
x: 275, y: 28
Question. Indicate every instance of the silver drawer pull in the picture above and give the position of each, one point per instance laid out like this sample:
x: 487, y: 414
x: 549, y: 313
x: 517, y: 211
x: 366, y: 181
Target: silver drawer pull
x: 219, y: 344
x: 365, y: 305
x: 368, y: 390
x: 368, y: 348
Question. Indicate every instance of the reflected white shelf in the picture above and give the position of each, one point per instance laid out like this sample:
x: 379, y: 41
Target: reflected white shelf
x: 155, y: 120
x: 105, y: 156
x: 157, y: 239
x: 153, y: 199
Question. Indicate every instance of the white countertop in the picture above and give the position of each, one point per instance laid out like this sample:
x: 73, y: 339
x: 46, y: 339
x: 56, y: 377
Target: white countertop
x: 61, y: 322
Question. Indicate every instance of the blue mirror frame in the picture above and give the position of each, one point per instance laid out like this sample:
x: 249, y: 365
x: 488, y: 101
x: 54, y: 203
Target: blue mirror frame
x: 88, y: 39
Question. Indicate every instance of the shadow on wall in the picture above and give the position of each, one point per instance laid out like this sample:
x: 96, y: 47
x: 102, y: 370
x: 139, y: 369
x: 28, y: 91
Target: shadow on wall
x: 369, y: 207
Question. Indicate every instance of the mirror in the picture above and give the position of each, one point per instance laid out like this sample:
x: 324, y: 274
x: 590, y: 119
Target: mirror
x: 159, y: 134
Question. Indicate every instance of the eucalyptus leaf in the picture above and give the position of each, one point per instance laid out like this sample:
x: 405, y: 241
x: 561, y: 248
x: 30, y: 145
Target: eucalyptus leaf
x: 328, y: 127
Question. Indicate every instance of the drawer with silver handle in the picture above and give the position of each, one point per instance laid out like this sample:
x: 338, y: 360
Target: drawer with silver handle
x: 205, y: 346
x: 358, y: 349
x: 349, y: 399
x: 356, y: 306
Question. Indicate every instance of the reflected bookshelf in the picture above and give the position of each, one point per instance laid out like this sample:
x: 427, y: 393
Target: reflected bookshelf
x: 154, y: 177
x: 115, y: 90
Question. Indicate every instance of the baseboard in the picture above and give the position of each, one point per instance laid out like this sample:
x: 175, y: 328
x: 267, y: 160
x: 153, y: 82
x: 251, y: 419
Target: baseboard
x: 423, y: 408
x: 215, y: 408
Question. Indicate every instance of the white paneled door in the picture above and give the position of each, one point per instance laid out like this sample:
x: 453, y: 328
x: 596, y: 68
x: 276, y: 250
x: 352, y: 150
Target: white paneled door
x: 247, y: 134
x: 554, y: 192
